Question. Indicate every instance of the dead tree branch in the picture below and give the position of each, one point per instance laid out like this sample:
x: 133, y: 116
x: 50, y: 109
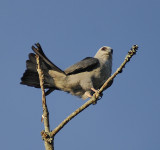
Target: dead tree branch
x: 45, y: 135
x: 48, y: 136
x: 95, y: 97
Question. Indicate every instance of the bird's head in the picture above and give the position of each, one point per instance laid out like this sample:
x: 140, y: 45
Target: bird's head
x: 104, y: 53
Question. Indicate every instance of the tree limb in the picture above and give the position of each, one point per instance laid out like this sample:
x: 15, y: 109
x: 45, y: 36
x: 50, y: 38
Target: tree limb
x: 49, y: 136
x: 45, y: 135
x: 95, y: 97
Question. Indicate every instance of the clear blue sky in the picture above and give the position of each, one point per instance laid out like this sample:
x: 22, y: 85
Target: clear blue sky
x: 127, y: 117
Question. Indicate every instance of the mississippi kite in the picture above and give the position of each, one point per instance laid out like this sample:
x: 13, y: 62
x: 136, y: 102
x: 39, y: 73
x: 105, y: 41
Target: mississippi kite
x: 81, y: 79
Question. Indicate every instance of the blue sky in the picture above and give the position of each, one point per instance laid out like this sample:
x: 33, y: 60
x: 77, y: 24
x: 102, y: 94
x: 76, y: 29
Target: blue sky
x: 127, y: 117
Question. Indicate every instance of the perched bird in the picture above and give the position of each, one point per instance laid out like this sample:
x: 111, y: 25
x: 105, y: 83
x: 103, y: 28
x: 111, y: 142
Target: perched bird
x: 81, y: 79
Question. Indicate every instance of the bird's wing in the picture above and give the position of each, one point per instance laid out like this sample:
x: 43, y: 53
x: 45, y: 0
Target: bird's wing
x: 87, y: 64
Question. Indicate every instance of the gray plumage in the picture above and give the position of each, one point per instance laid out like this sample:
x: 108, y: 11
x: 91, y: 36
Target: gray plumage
x: 79, y: 79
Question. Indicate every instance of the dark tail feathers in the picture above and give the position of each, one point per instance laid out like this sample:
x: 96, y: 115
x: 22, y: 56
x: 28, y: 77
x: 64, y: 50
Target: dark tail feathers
x: 30, y: 76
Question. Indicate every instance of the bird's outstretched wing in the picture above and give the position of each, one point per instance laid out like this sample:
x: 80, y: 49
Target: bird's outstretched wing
x: 87, y: 64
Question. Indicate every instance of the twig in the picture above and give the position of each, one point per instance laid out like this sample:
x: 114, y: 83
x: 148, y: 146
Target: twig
x: 119, y: 70
x: 45, y: 135
x: 95, y: 97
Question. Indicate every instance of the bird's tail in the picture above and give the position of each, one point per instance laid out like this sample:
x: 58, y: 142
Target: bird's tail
x: 31, y: 77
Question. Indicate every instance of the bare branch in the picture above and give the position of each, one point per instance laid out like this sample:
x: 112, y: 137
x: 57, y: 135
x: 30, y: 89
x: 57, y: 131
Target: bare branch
x: 45, y: 116
x: 95, y: 97
x: 119, y: 70
x: 47, y: 135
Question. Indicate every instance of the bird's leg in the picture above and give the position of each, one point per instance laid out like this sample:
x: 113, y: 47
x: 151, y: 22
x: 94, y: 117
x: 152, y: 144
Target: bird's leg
x: 88, y: 94
x: 94, y: 90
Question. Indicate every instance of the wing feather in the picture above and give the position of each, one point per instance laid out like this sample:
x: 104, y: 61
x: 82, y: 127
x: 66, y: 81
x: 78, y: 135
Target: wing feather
x: 87, y: 64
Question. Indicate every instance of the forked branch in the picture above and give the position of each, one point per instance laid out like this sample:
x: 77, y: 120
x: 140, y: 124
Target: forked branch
x: 47, y: 135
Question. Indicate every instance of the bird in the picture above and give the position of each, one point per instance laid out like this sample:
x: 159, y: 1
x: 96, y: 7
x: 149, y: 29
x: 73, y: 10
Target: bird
x: 81, y: 79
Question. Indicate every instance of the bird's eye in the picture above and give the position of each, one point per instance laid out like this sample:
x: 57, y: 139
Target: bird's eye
x: 103, y: 48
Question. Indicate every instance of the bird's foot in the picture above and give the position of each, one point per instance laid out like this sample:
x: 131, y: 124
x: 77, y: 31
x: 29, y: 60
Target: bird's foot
x: 97, y: 92
x: 94, y: 90
x: 88, y: 93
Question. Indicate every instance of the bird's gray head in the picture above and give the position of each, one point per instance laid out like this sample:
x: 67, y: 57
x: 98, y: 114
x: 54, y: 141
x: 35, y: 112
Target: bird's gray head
x: 104, y: 53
